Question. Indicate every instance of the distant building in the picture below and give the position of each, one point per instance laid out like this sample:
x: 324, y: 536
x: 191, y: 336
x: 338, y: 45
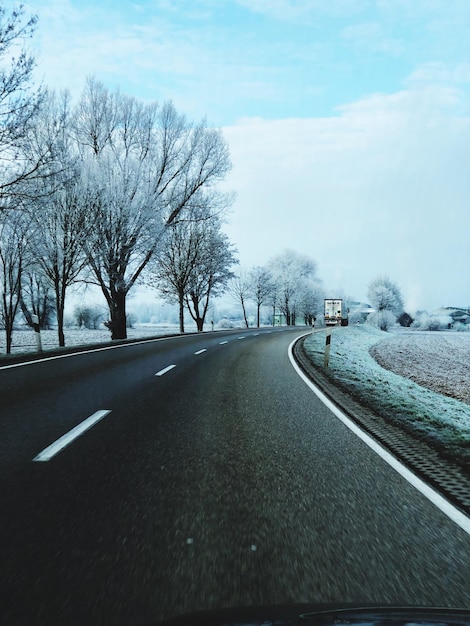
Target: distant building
x: 458, y: 314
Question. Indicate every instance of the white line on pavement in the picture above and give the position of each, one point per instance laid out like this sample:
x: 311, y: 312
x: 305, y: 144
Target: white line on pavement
x: 66, y: 439
x: 91, y: 350
x: 201, y: 351
x: 433, y: 496
x: 222, y: 343
x: 165, y: 370
x: 241, y: 337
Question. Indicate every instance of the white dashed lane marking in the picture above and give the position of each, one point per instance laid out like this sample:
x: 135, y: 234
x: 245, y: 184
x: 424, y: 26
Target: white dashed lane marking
x: 165, y: 370
x: 67, y: 439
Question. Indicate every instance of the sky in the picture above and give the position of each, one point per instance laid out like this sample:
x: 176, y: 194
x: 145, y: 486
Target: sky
x: 348, y: 121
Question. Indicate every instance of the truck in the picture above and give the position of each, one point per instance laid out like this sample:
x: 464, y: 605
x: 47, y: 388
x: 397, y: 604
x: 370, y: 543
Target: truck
x: 335, y: 312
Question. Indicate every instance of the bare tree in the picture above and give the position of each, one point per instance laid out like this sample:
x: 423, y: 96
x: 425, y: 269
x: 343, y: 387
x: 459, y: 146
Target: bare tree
x: 310, y: 300
x: 59, y: 216
x: 176, y: 262
x: 239, y: 288
x: 20, y: 167
x: 288, y: 270
x: 146, y: 165
x: 262, y: 289
x: 211, y: 272
x: 36, y: 297
x: 13, y: 244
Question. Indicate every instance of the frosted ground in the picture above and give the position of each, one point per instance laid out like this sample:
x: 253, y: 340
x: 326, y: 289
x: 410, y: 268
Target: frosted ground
x: 427, y: 393
x: 24, y: 341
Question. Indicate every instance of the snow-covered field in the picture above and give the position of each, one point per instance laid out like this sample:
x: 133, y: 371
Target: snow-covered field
x: 437, y: 360
x: 428, y: 369
x: 25, y: 340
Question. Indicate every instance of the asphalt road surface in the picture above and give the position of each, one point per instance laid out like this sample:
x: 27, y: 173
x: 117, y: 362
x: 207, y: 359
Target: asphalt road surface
x: 221, y: 481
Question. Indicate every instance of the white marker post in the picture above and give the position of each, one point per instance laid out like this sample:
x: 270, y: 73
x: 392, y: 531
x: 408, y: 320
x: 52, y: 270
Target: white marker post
x: 37, y: 331
x: 326, y: 358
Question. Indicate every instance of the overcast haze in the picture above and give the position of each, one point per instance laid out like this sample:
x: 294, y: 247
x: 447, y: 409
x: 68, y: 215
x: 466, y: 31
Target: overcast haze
x: 348, y: 121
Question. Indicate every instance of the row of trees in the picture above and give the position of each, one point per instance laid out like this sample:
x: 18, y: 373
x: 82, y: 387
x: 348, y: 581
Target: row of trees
x: 288, y: 284
x: 101, y: 192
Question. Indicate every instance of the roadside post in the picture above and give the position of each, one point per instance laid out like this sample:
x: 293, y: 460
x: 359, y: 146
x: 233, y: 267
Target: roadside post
x: 37, y: 331
x: 326, y: 358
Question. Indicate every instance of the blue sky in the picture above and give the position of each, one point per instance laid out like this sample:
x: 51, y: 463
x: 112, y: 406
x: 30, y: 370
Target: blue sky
x: 348, y: 121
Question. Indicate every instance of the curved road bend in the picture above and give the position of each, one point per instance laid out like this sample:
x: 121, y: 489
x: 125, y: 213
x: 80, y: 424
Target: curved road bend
x: 222, y: 481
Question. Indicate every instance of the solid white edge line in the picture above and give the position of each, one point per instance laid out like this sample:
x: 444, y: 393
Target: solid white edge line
x: 433, y: 496
x: 165, y: 370
x: 66, y: 439
x: 91, y: 350
x: 201, y: 351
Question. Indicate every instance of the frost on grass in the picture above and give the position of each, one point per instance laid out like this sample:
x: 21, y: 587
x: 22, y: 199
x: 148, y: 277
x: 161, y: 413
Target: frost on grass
x: 425, y: 412
x: 24, y: 341
x: 437, y: 361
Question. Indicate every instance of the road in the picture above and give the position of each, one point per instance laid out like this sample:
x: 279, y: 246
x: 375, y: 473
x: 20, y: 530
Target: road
x: 221, y: 481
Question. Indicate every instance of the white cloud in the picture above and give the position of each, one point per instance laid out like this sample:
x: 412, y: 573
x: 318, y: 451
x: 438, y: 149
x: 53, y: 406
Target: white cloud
x: 439, y: 72
x: 300, y: 10
x: 372, y: 37
x: 382, y: 188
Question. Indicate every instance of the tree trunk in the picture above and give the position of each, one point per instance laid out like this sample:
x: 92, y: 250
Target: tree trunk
x: 8, y: 324
x: 117, y: 324
x: 60, y: 326
x: 244, y: 313
x: 181, y: 310
x: 8, y: 332
x: 257, y: 316
x: 59, y: 309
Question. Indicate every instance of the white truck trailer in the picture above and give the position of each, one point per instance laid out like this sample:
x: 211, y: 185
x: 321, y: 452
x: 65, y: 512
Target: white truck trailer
x: 335, y: 312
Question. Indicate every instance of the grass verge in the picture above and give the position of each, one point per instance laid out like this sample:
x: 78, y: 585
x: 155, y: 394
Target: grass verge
x: 438, y: 420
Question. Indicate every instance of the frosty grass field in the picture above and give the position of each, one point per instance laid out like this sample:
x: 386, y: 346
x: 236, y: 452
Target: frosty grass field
x: 427, y: 393
x: 24, y: 341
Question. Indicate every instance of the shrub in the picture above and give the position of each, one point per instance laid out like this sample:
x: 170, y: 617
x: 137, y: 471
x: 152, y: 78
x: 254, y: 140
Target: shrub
x: 405, y: 320
x: 225, y: 323
x: 88, y: 317
x: 382, y: 319
x: 427, y: 321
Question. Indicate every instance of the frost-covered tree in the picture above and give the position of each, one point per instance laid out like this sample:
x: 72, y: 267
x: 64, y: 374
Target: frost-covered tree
x: 59, y: 217
x: 261, y: 288
x: 177, y: 258
x: 13, y: 247
x: 239, y: 288
x: 211, y: 272
x: 289, y: 270
x: 385, y: 295
x: 146, y: 165
x: 36, y: 297
x: 20, y: 167
x: 310, y: 300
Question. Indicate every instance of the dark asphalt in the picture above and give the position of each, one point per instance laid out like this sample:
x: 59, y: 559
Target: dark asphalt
x: 223, y: 482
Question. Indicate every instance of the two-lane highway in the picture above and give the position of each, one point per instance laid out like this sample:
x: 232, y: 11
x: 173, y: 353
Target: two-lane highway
x: 214, y: 477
